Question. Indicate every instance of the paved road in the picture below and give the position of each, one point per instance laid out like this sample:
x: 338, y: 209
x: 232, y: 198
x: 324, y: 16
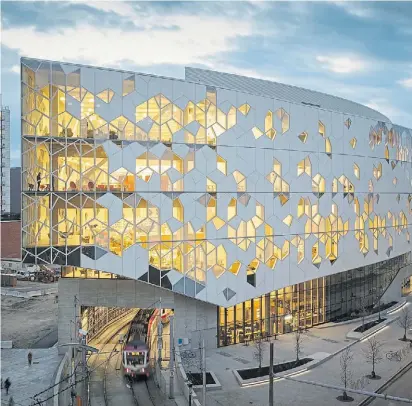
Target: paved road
x: 401, y: 387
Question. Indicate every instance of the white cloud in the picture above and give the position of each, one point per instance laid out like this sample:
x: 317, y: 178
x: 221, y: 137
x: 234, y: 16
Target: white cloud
x: 386, y: 107
x: 15, y: 69
x: 124, y: 9
x: 406, y: 83
x: 342, y: 64
x: 193, y: 40
x: 355, y: 9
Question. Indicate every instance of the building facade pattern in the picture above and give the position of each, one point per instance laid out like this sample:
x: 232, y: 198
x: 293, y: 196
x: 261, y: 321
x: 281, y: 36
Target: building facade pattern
x: 217, y: 194
x: 5, y: 159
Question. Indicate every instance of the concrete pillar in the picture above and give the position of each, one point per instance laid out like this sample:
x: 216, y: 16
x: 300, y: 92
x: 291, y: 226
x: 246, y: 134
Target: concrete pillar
x: 68, y: 288
x: 195, y: 320
x: 268, y: 320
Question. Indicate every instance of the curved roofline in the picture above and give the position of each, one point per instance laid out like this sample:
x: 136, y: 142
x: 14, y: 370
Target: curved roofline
x: 245, y: 84
x: 281, y: 91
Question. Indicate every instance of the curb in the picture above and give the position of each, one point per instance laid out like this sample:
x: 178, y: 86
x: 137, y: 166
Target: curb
x: 351, y: 334
x: 388, y: 383
x: 388, y: 311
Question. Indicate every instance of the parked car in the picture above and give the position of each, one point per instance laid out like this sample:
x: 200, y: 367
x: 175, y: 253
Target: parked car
x: 23, y: 275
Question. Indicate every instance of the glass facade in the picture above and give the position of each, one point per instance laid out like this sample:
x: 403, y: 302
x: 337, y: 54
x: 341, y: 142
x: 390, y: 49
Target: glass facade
x: 308, y: 303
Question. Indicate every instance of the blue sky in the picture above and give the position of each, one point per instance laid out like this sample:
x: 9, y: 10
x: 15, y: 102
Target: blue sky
x: 358, y: 50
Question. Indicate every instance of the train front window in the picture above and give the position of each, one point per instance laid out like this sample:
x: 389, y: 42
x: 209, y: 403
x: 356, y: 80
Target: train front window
x: 135, y: 358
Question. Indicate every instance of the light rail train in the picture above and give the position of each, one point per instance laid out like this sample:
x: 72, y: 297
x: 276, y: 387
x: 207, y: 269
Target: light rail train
x: 136, y: 352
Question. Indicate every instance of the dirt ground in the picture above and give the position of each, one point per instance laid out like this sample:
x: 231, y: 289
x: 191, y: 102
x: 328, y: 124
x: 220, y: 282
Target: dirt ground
x: 26, y: 321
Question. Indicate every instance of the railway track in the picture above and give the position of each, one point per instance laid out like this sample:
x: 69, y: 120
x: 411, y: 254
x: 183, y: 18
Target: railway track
x: 141, y: 393
x: 99, y: 394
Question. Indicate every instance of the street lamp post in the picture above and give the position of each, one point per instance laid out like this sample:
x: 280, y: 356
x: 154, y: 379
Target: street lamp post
x: 190, y: 393
x: 379, y: 302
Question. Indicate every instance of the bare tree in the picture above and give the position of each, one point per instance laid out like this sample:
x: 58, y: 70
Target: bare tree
x: 346, y: 374
x: 405, y: 321
x: 363, y: 311
x: 259, y: 352
x: 373, y: 354
x: 298, y: 342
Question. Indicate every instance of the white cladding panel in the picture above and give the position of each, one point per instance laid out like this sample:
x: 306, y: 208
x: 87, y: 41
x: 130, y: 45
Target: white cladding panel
x: 244, y: 194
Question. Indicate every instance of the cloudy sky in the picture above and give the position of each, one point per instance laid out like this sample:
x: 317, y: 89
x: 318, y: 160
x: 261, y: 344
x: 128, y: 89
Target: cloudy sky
x: 358, y: 50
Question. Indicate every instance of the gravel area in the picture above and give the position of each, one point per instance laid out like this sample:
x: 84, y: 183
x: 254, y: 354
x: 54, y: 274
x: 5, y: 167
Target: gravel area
x: 27, y: 321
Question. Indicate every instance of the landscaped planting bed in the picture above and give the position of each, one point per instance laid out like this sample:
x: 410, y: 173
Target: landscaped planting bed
x: 252, y: 373
x: 357, y: 314
x: 369, y: 325
x: 196, y: 378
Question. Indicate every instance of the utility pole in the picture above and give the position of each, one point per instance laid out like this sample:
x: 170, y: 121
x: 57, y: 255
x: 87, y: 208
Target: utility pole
x: 271, y: 375
x: 204, y: 373
x: 159, y: 335
x: 172, y: 358
x: 74, y: 387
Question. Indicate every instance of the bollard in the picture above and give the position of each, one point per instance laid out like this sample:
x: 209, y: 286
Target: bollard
x: 190, y: 393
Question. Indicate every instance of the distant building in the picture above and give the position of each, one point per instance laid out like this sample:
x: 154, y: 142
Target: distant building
x: 15, y: 190
x: 10, y: 246
x: 5, y: 159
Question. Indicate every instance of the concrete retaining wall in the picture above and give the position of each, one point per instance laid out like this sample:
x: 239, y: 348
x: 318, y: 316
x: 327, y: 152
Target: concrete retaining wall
x: 190, y: 315
x: 182, y: 380
x: 60, y: 396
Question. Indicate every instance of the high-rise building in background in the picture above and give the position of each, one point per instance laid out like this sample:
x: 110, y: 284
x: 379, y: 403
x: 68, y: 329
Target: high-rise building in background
x: 280, y: 206
x: 5, y: 159
x: 15, y: 190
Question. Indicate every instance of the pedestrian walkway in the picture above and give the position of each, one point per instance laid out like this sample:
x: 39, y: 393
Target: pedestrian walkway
x: 326, y: 340
x: 27, y: 381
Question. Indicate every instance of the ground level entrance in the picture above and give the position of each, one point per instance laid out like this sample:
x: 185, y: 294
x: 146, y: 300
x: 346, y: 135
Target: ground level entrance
x: 332, y: 298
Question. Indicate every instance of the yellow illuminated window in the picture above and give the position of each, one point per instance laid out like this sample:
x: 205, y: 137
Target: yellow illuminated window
x: 128, y: 85
x: 303, y: 136
x: 322, y: 130
x: 231, y: 117
x: 268, y: 121
x: 235, y: 267
x: 256, y: 132
x: 328, y: 146
x: 221, y: 165
x: 178, y: 211
x: 232, y: 209
x: 301, y: 207
x: 218, y: 223
x: 356, y: 171
x: 244, y: 109
x: 318, y: 184
x: 211, y: 209
x: 210, y: 186
x: 335, y: 185
x: 316, y: 259
x: 288, y: 220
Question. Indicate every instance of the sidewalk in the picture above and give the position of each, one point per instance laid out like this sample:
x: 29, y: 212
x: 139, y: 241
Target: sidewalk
x: 27, y: 381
